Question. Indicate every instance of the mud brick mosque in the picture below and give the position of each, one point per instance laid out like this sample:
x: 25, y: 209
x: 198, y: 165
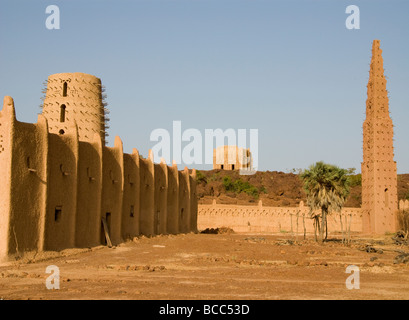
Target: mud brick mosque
x: 379, y: 172
x: 378, y: 212
x: 63, y: 188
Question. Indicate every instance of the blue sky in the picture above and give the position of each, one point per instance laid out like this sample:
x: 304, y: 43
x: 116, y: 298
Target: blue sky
x: 290, y: 69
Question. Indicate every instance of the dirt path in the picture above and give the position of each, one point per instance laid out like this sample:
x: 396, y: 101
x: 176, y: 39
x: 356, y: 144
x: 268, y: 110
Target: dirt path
x: 209, y: 266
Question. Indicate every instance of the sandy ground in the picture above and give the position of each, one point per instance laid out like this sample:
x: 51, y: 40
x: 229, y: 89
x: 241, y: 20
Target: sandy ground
x: 213, y: 266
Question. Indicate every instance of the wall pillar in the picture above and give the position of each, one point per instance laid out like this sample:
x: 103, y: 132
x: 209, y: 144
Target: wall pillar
x: 161, y: 190
x: 62, y: 189
x: 131, y: 201
x: 184, y: 201
x: 193, y: 202
x: 88, y: 220
x: 173, y: 200
x: 147, y: 188
x: 112, y: 190
x: 7, y: 124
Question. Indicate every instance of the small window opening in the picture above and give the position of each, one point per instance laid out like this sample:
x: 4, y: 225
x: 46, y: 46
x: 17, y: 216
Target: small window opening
x: 57, y: 213
x: 132, y: 211
x: 29, y: 165
x: 62, y: 113
x: 61, y: 131
x: 386, y: 198
x: 222, y: 166
x: 64, y: 89
x: 232, y: 166
x: 181, y: 213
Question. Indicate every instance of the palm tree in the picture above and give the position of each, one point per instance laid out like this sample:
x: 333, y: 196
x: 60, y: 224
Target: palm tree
x: 327, y: 187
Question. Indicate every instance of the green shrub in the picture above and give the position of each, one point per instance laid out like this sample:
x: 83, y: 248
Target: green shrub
x: 263, y: 189
x: 239, y: 186
x: 228, y: 184
x: 355, y: 180
x: 200, y: 177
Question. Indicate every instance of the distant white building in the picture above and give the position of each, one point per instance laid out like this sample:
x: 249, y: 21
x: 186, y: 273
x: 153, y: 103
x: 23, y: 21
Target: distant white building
x: 232, y: 158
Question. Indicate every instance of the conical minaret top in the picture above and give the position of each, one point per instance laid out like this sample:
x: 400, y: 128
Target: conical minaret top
x: 378, y: 127
x: 377, y: 103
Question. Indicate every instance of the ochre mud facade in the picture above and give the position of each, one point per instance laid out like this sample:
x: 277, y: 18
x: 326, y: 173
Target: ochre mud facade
x: 59, y: 180
x: 379, y: 171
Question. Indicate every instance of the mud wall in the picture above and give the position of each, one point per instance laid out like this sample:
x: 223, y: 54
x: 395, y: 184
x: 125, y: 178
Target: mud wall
x: 271, y: 219
x: 57, y: 189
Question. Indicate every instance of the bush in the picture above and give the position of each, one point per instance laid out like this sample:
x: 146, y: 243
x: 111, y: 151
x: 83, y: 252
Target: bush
x: 263, y: 189
x: 200, y: 177
x: 239, y: 186
x: 228, y: 184
x: 355, y: 180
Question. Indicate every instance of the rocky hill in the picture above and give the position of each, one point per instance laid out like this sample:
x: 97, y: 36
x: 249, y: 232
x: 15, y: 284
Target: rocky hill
x: 274, y: 188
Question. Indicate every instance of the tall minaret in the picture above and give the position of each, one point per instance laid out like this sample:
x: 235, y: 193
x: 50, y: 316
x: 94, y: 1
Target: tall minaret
x: 76, y: 97
x: 379, y: 174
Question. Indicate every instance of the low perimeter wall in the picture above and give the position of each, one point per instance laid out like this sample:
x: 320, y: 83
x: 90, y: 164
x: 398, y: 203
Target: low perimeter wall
x: 259, y: 218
